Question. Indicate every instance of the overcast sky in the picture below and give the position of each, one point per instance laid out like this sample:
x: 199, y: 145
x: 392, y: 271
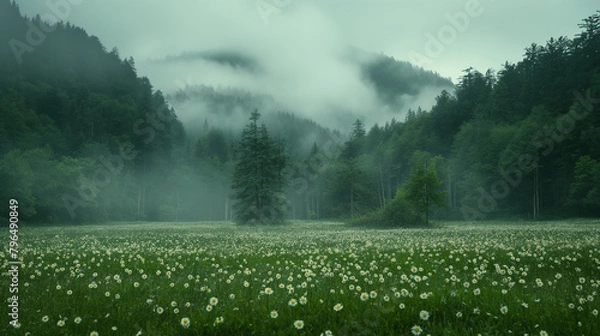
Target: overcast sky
x: 297, y: 39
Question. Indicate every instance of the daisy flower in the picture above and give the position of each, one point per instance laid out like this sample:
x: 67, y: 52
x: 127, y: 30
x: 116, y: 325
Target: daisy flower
x: 416, y: 330
x: 299, y: 324
x: 185, y: 322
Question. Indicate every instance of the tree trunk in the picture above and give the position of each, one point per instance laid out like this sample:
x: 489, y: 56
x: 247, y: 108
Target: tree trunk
x: 307, y: 203
x: 381, y: 184
x: 317, y: 205
x: 351, y: 201
x: 536, y: 194
x: 177, y: 208
x: 139, y: 203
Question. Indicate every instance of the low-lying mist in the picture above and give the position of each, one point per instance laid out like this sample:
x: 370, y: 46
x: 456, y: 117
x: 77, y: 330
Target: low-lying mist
x: 306, y: 71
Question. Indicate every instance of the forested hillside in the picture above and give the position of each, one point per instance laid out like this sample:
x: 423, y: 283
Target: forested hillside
x: 84, y: 138
x: 523, y: 142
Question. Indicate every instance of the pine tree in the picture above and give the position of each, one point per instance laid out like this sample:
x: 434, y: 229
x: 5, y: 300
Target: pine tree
x: 350, y: 188
x: 258, y: 177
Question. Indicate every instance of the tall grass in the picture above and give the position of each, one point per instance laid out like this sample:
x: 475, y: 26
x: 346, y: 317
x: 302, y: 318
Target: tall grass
x: 467, y: 279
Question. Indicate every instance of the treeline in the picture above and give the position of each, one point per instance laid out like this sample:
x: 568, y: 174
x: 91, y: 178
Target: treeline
x: 522, y: 143
x: 82, y: 136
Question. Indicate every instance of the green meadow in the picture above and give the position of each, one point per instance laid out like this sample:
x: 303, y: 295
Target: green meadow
x: 308, y: 278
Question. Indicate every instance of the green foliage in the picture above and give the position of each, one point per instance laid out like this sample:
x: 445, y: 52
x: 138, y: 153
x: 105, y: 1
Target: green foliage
x: 423, y: 190
x: 399, y: 212
x: 71, y: 104
x: 307, y: 178
x: 585, y: 189
x: 394, y: 79
x: 505, y: 139
x: 66, y: 105
x: 213, y: 146
x: 37, y: 179
x: 417, y: 270
x: 258, y: 178
x: 350, y: 191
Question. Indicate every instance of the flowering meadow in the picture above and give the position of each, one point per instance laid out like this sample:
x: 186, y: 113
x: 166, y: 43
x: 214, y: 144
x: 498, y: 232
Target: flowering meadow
x: 306, y: 278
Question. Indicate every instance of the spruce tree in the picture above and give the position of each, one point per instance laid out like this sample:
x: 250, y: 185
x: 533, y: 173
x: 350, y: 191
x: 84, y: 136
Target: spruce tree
x: 258, y: 178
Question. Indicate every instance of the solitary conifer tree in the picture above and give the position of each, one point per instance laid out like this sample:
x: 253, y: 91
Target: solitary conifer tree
x: 258, y: 178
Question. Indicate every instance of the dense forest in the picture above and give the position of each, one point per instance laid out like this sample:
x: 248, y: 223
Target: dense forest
x: 84, y: 138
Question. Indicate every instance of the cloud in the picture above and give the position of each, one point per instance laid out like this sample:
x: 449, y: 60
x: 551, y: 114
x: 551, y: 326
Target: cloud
x: 300, y: 55
x: 297, y: 57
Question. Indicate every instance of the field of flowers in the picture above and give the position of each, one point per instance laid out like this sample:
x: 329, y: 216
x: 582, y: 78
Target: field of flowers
x: 308, y: 279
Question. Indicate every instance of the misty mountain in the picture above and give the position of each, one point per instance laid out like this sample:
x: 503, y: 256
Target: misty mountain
x: 398, y: 86
x: 84, y: 137
x: 397, y: 82
x: 229, y: 58
x: 203, y: 107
